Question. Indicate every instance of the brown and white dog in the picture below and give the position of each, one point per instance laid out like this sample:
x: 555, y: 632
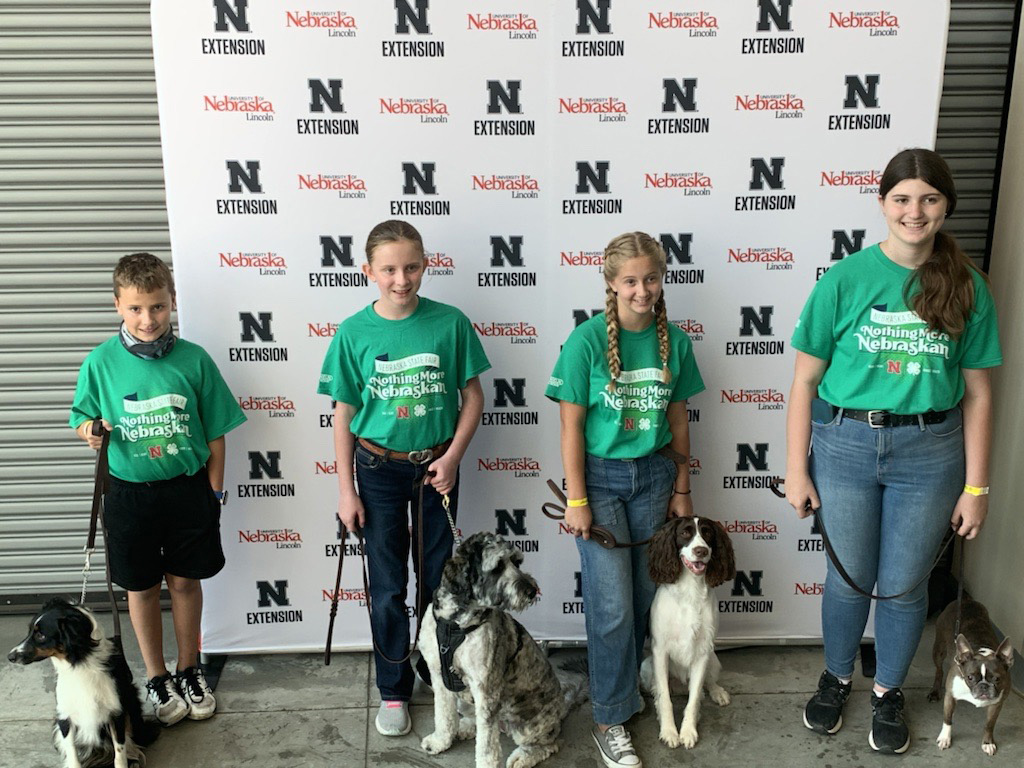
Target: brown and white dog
x: 687, y: 558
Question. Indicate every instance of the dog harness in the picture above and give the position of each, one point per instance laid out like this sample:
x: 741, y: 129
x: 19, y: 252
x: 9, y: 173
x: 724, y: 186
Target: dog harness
x: 449, y: 637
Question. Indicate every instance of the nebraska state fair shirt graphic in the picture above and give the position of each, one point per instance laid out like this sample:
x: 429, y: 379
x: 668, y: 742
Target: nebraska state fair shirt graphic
x: 408, y: 385
x: 903, y: 339
x: 149, y: 427
x: 640, y: 398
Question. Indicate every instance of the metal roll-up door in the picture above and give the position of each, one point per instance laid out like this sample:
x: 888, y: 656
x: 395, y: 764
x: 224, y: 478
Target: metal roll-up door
x: 81, y: 184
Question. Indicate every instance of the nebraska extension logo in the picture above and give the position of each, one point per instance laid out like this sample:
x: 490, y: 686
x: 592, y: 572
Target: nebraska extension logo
x: 783, y: 105
x: 877, y: 23
x: 688, y: 182
x: 777, y: 258
x: 281, y: 538
x: 428, y: 110
x: 266, y: 262
x: 764, y: 399
x: 274, y: 406
x: 439, y: 263
x: 695, y: 23
x: 519, y: 185
x: 335, y: 23
x: 516, y: 333
x: 519, y: 26
x: 345, y: 184
x: 608, y: 109
x: 520, y: 466
x: 255, y: 108
x: 691, y: 327
x: 866, y: 182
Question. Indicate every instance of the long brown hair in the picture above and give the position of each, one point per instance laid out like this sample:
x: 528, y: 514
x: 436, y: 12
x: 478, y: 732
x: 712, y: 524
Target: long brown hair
x: 945, y: 295
x: 620, y: 250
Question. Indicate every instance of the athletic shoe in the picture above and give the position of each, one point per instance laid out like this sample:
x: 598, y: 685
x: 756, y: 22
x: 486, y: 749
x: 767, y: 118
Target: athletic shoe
x: 194, y: 689
x: 824, y: 712
x: 168, y: 705
x: 393, y: 718
x: 889, y: 731
x: 616, y: 747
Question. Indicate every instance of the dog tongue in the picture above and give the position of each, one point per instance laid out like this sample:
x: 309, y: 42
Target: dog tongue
x: 698, y: 568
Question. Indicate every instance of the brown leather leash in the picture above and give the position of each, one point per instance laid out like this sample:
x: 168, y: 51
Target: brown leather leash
x: 599, y: 533
x: 101, y: 484
x: 366, y: 579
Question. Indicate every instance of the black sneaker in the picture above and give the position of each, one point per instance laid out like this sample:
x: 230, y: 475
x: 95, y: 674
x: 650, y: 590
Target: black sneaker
x: 824, y: 712
x: 889, y: 731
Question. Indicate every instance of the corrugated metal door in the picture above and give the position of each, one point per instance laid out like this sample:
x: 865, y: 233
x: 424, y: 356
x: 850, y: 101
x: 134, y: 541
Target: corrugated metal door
x: 81, y: 184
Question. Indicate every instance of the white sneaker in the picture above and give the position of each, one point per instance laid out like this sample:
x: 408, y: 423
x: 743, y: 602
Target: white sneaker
x: 168, y: 705
x: 393, y: 718
x: 616, y: 747
x: 194, y: 689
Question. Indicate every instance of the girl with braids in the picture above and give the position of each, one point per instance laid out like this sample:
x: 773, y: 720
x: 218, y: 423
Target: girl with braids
x: 888, y: 430
x: 622, y: 381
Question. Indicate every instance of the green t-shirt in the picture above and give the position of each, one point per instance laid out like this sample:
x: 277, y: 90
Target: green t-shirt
x: 403, y: 376
x: 880, y: 354
x: 630, y: 422
x: 164, y: 412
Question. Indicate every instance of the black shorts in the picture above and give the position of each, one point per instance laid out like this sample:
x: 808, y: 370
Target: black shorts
x: 167, y: 526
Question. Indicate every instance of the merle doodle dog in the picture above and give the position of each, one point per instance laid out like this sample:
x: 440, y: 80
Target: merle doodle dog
x: 475, y: 650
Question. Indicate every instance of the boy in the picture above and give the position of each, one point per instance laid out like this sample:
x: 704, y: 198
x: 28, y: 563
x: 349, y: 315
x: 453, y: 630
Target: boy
x: 168, y: 410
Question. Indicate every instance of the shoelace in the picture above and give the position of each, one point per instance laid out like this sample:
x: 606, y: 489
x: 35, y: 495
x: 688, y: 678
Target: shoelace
x: 190, y: 678
x: 619, y: 741
x: 889, y: 707
x: 159, y: 687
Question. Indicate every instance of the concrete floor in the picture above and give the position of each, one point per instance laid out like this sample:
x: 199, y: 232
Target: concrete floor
x: 290, y: 711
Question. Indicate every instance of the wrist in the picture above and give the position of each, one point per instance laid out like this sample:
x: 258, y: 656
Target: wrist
x: 681, y: 493
x: 976, y: 490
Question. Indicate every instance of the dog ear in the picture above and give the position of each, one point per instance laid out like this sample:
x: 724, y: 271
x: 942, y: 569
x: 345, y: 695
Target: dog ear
x: 457, y: 578
x: 722, y: 567
x: 663, y: 563
x: 74, y: 633
x: 1005, y: 651
x: 963, y: 649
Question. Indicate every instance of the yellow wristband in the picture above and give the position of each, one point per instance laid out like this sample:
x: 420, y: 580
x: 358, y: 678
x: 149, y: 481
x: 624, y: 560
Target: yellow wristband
x: 578, y: 502
x: 975, y: 490
x: 88, y: 427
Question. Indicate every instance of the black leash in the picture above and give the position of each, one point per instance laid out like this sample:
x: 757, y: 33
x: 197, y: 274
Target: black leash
x: 101, y: 484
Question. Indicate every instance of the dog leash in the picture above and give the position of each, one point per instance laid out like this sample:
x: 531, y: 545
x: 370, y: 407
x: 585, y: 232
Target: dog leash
x: 446, y: 503
x: 101, y: 484
x: 774, y: 487
x: 599, y: 533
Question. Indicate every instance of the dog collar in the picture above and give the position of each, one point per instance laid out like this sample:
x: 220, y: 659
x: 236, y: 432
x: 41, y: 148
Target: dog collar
x: 450, y: 635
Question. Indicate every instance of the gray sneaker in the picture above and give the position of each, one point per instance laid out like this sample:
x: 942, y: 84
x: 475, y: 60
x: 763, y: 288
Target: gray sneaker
x: 168, y: 705
x: 393, y: 718
x: 192, y: 685
x: 616, y: 747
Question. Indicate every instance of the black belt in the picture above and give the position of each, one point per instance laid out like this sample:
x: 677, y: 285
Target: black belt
x: 879, y: 419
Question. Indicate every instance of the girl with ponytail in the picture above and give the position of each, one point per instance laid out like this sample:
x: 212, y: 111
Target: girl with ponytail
x: 888, y: 430
x: 622, y: 381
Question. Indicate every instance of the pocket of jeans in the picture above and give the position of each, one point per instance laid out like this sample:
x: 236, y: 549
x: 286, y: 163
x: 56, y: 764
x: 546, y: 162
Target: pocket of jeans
x: 604, y: 511
x: 952, y: 425
x: 822, y: 414
x: 365, y: 459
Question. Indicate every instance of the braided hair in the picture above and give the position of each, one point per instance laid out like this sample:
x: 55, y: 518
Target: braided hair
x: 621, y: 249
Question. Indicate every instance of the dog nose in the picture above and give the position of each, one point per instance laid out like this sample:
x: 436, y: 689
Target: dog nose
x: 700, y: 552
x: 531, y: 591
x: 14, y: 656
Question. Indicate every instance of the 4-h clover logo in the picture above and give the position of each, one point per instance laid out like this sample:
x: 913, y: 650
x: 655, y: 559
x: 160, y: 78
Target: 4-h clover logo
x: 644, y: 424
x: 913, y: 368
x: 172, y: 449
x: 420, y: 410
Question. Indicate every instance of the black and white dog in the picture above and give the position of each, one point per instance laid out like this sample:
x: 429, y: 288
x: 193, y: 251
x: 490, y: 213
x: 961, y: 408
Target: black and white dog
x: 99, y: 715
x: 472, y: 645
x: 687, y: 558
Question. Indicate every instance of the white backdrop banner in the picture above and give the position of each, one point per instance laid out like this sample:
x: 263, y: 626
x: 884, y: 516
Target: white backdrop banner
x: 520, y: 137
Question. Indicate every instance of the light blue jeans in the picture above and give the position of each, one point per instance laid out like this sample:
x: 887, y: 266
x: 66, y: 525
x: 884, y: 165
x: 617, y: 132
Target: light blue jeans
x: 887, y: 496
x: 629, y: 497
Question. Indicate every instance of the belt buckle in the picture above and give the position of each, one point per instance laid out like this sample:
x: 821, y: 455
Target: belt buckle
x: 881, y: 415
x: 421, y: 457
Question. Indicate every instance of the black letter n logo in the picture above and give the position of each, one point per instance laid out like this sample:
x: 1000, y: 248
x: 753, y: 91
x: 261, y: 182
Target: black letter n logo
x: 745, y: 456
x: 761, y: 318
x: 747, y: 584
x: 510, y: 97
x: 592, y: 177
x: 319, y: 94
x: 677, y: 250
x: 414, y: 178
x: 505, y: 391
x: 251, y: 326
x: 844, y: 245
x: 233, y: 11
x: 589, y: 15
x: 760, y: 173
x: 261, y: 466
x: 679, y: 93
x: 865, y: 91
x: 250, y: 176
x: 514, y: 521
x: 407, y: 15
x: 774, y: 12
x: 507, y: 251
x: 336, y: 251
x: 278, y: 594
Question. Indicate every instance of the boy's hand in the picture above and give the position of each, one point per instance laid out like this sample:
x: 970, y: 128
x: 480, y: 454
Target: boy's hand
x: 351, y: 512
x: 84, y: 431
x: 446, y: 470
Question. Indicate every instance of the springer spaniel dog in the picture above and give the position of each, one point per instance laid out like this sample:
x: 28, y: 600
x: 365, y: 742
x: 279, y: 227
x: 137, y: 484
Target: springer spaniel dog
x: 687, y: 558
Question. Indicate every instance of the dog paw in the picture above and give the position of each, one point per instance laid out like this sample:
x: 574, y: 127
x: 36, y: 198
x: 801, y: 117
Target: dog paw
x: 688, y: 736
x: 467, y: 728
x: 944, y: 742
x: 669, y: 737
x: 434, y: 744
x: 933, y: 695
x: 989, y: 748
x: 720, y: 696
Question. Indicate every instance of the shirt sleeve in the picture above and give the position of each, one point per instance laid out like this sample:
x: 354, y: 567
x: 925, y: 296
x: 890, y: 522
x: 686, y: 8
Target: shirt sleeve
x: 86, y: 404
x: 981, y: 336
x: 219, y: 411
x: 570, y: 379
x: 338, y: 373
x: 472, y: 358
x: 814, y: 332
x: 689, y: 382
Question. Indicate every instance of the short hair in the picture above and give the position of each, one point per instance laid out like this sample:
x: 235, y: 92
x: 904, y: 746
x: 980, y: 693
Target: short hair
x: 143, y: 271
x: 392, y: 231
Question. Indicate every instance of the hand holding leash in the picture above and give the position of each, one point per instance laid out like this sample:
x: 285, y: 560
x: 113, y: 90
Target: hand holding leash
x: 93, y: 430
x: 969, y: 515
x: 800, y: 493
x: 351, y: 513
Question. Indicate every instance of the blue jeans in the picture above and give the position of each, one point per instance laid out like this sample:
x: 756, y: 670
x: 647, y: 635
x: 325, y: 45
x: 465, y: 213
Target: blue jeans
x: 387, y: 489
x: 630, y: 498
x: 887, y: 496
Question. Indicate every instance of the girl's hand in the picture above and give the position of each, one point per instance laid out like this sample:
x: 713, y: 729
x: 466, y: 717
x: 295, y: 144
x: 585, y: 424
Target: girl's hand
x: 351, y: 512
x: 444, y: 471
x: 84, y: 431
x: 679, y: 506
x: 579, y: 520
x: 969, y: 514
x: 801, y: 494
